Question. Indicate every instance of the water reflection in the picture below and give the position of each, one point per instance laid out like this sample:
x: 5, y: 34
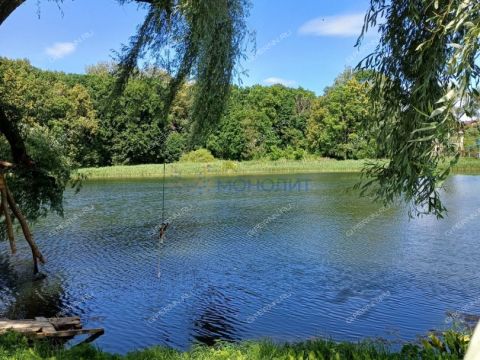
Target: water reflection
x: 216, y: 320
x: 23, y: 297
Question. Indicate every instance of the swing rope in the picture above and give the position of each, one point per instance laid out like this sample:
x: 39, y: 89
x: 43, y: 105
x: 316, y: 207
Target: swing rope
x: 163, y: 195
x: 164, y: 225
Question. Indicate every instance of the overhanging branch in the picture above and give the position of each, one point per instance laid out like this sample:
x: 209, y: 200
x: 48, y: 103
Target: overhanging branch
x: 7, y: 7
x: 15, y: 140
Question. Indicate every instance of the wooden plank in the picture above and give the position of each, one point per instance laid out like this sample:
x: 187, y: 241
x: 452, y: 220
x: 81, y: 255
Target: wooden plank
x: 48, y: 329
x: 30, y: 330
x: 6, y: 322
x: 92, y: 337
x: 65, y: 319
x: 19, y: 324
x: 65, y: 323
x: 20, y: 327
x: 46, y: 326
x: 42, y: 328
x: 72, y: 333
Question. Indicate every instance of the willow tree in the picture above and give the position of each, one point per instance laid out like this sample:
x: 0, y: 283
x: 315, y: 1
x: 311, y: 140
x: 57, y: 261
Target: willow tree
x: 198, y: 41
x: 426, y: 66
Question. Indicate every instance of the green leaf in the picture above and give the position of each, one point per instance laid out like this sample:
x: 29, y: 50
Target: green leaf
x: 438, y: 111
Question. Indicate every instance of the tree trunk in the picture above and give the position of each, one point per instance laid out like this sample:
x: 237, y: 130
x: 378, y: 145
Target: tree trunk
x: 15, y: 140
x: 8, y: 220
x: 7, y: 7
x: 7, y: 198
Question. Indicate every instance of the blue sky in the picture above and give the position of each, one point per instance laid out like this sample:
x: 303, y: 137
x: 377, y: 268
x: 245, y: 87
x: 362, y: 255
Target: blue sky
x: 299, y: 42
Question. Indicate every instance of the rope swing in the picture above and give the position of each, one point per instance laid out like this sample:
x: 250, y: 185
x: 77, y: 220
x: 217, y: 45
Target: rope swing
x: 163, y: 228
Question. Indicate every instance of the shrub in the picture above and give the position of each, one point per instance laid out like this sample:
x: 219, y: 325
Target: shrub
x: 299, y: 154
x: 289, y: 153
x: 174, y: 146
x: 229, y: 165
x: 275, y: 153
x: 198, y: 156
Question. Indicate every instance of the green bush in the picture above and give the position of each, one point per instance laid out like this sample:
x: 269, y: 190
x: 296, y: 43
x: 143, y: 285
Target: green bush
x: 198, y: 156
x: 275, y: 153
x: 289, y: 153
x: 229, y: 165
x: 174, y: 146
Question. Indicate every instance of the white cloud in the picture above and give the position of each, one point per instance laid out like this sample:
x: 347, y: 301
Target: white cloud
x: 60, y: 49
x: 340, y: 25
x: 276, y: 80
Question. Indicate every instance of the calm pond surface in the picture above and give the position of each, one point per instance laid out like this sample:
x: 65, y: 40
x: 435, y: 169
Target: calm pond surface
x: 284, y: 257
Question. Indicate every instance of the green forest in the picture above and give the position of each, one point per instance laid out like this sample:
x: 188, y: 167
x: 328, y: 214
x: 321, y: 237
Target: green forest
x: 77, y: 115
x: 80, y: 117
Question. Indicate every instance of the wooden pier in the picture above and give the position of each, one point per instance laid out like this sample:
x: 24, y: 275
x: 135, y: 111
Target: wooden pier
x: 65, y: 328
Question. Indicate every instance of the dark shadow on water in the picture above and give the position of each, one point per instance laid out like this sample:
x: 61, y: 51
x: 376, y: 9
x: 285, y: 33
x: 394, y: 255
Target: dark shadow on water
x: 217, y: 321
x: 24, y: 296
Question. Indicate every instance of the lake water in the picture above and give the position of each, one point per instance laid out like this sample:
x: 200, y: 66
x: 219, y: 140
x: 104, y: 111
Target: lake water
x: 282, y: 257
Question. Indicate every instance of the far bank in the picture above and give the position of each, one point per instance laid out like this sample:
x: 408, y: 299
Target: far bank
x: 254, y: 167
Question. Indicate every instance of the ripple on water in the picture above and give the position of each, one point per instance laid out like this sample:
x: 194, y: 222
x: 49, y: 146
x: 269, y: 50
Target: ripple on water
x: 325, y: 266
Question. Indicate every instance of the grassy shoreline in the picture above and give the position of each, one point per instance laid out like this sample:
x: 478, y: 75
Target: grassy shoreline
x: 451, y: 345
x: 254, y: 167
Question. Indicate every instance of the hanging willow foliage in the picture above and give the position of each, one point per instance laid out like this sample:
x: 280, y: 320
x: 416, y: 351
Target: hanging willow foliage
x: 196, y: 40
x: 426, y: 67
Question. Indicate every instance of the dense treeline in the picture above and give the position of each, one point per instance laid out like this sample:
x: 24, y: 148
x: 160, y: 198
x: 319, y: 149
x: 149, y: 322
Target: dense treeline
x: 78, y: 116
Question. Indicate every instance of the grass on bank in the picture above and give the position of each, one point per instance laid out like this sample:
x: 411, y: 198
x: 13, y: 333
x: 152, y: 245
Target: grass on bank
x: 254, y: 167
x: 451, y: 345
x: 222, y: 167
